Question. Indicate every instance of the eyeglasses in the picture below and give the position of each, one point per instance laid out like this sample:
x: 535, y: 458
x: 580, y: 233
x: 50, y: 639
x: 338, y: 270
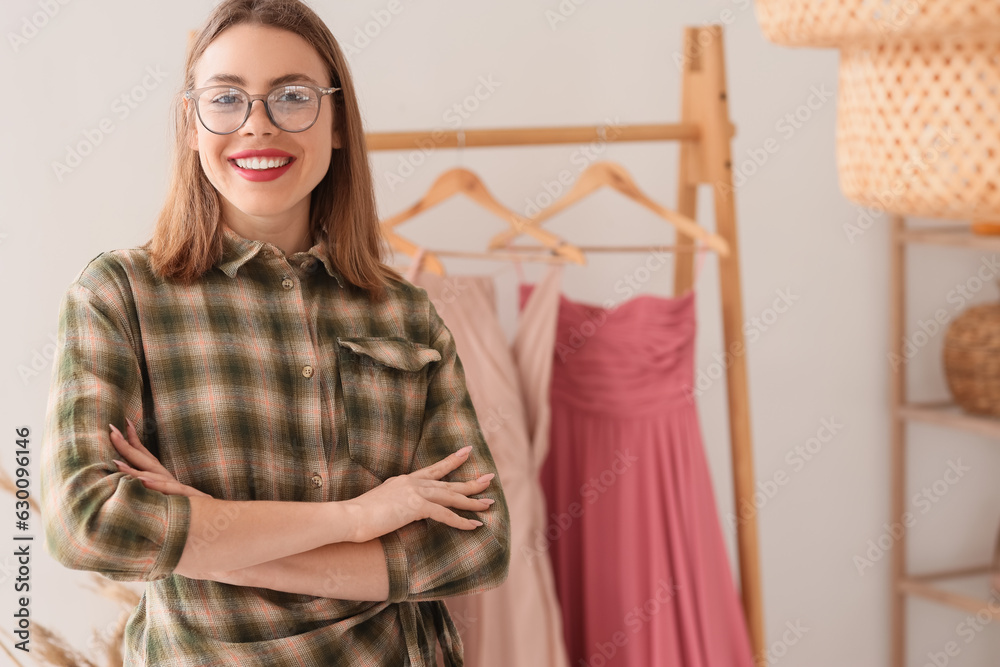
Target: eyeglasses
x: 225, y: 109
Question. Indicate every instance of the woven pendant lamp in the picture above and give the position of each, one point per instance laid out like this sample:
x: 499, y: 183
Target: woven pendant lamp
x: 918, y: 122
x: 839, y: 22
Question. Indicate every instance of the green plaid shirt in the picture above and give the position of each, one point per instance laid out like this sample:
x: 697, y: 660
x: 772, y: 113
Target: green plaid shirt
x: 267, y: 379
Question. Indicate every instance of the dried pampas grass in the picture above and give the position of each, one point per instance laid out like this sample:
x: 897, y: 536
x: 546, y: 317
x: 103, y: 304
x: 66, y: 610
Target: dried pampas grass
x: 50, y: 648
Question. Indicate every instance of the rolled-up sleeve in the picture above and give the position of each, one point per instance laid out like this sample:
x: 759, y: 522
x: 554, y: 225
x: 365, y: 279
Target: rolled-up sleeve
x: 427, y: 559
x: 94, y: 517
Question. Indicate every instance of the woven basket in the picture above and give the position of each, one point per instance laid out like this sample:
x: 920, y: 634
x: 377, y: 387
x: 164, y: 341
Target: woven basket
x: 972, y: 359
x: 840, y: 22
x: 918, y: 127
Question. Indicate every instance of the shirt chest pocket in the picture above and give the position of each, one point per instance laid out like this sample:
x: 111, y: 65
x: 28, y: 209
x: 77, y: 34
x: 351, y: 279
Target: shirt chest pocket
x: 384, y: 382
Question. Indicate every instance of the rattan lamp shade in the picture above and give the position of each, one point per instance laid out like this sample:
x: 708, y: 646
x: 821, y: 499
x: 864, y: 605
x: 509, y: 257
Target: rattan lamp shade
x: 918, y: 121
x: 918, y: 126
x: 840, y: 22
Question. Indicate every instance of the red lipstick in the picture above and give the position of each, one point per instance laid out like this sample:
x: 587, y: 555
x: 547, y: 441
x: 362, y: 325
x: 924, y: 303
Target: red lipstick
x: 258, y: 175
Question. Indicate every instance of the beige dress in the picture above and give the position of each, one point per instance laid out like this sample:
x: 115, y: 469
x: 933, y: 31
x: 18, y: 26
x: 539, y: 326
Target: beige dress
x: 518, y: 623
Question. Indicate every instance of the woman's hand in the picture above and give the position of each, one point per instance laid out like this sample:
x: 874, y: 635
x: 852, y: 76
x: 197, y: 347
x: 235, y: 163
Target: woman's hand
x: 147, y: 468
x: 414, y: 496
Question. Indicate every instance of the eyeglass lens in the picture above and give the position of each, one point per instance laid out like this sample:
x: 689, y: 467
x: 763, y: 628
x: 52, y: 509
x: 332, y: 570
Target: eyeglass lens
x: 293, y: 108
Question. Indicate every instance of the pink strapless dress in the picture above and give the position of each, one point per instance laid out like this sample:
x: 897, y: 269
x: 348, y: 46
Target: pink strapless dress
x: 641, y: 567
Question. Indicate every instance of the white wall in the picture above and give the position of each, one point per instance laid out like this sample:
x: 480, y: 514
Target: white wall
x: 823, y: 359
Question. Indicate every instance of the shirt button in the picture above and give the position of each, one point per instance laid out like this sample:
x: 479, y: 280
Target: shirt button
x: 287, y: 283
x: 317, y: 480
x: 307, y: 371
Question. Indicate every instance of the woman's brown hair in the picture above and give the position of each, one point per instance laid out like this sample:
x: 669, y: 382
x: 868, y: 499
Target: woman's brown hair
x: 187, y: 238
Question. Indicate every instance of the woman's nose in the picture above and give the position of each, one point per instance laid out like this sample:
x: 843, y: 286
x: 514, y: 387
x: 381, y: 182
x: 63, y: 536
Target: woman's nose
x: 258, y: 122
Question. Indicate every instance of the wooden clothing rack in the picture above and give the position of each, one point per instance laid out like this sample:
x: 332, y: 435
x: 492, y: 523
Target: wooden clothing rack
x: 705, y: 132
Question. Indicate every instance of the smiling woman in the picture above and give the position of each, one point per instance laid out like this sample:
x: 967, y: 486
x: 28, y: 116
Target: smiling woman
x: 270, y: 57
x: 302, y: 476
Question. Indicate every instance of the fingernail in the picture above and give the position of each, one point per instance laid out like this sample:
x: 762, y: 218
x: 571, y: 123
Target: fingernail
x: 486, y: 478
x: 115, y: 429
x: 477, y: 523
x: 463, y: 451
x: 117, y: 462
x: 130, y: 423
x: 488, y: 501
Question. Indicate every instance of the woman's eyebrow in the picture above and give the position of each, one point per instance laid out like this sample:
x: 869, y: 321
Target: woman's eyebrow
x: 240, y: 81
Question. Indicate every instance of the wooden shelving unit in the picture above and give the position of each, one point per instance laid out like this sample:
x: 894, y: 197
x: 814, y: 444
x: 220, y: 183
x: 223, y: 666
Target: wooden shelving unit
x: 957, y: 588
x: 966, y: 589
x: 949, y: 415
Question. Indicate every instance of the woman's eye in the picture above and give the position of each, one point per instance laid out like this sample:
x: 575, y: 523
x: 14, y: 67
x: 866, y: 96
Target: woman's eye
x: 226, y: 99
x: 294, y: 95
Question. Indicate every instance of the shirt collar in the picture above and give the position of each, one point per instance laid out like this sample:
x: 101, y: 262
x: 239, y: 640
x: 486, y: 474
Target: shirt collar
x: 238, y: 250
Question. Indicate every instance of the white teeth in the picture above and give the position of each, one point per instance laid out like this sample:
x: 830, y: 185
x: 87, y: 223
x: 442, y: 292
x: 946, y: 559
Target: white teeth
x: 262, y: 163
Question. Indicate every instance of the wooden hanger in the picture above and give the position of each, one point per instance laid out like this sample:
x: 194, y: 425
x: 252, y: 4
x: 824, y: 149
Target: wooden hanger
x: 462, y: 181
x: 409, y: 248
x: 615, y: 176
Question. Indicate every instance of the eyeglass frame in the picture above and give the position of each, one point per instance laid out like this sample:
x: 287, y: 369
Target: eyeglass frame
x: 195, y: 93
